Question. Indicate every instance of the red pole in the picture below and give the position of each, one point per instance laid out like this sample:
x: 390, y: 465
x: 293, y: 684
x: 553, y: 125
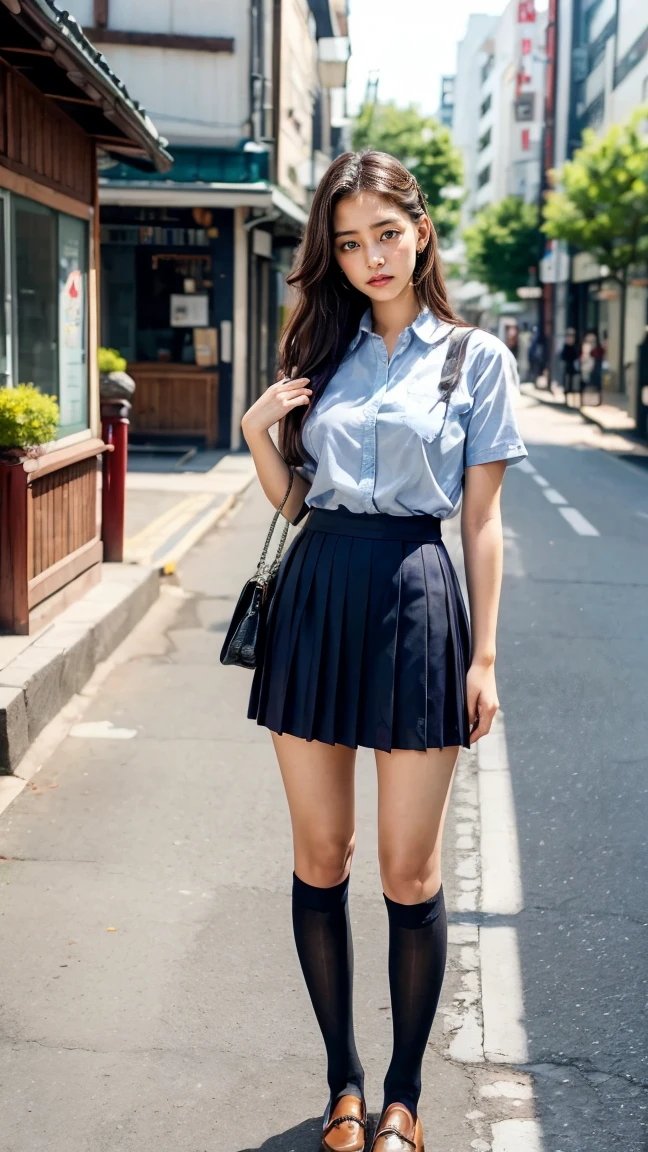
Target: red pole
x: 114, y: 431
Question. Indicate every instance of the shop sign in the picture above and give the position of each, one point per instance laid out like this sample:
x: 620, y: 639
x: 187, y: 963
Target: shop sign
x: 189, y: 311
x: 525, y: 107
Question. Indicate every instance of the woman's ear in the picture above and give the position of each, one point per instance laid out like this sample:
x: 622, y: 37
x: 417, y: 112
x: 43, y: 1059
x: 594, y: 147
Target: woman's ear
x: 424, y: 231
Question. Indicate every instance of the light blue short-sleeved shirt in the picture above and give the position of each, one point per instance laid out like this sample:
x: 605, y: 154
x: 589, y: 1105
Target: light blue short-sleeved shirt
x: 381, y: 437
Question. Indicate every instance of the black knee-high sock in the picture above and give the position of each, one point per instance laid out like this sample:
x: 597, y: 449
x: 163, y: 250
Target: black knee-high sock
x: 418, y: 936
x: 325, y: 950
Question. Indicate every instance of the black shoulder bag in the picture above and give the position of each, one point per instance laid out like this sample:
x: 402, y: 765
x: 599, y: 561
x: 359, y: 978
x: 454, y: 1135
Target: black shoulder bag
x: 245, y: 637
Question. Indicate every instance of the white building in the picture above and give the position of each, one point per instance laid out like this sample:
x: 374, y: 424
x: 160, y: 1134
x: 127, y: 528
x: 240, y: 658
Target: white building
x: 471, y: 105
x: 247, y: 95
x: 601, y: 78
x: 498, y: 105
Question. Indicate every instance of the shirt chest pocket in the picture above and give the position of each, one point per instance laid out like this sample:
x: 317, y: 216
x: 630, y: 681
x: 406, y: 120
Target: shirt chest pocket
x: 430, y: 416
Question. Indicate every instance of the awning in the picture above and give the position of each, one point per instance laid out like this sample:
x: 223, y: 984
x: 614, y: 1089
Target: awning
x: 167, y: 194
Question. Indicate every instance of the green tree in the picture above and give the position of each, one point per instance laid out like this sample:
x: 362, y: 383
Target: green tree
x: 600, y: 204
x: 424, y: 146
x: 503, y: 243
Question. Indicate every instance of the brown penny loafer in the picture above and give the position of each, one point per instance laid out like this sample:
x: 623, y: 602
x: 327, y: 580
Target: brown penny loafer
x: 398, y: 1131
x: 345, y: 1125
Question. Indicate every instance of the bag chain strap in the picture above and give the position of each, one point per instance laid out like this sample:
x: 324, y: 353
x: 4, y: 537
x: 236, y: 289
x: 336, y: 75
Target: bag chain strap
x: 265, y: 572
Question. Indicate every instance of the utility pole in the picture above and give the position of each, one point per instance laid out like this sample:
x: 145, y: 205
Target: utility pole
x: 371, y: 92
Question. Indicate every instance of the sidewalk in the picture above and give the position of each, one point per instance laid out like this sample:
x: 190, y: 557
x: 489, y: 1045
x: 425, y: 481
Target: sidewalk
x: 152, y: 995
x: 167, y: 511
x: 171, y: 501
x: 613, y: 428
x: 611, y: 415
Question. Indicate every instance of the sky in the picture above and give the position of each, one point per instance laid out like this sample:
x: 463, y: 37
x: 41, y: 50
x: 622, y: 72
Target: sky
x: 413, y: 43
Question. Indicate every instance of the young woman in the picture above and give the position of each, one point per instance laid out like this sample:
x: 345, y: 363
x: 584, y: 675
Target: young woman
x: 388, y: 407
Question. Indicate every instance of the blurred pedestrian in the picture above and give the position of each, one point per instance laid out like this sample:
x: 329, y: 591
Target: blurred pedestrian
x: 511, y: 338
x: 389, y: 408
x: 570, y: 358
x: 524, y: 344
x: 537, y: 353
x: 591, y: 362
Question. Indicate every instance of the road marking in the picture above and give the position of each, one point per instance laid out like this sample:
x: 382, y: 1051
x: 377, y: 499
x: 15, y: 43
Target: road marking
x: 500, y: 853
x: 485, y: 1021
x: 505, y: 1039
x: 526, y: 466
x: 540, y: 480
x: 554, y: 497
x: 578, y: 522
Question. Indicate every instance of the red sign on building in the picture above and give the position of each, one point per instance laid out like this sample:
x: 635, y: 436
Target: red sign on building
x: 526, y: 12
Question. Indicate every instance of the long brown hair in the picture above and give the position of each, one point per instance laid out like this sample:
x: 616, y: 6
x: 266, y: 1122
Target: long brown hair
x: 329, y: 309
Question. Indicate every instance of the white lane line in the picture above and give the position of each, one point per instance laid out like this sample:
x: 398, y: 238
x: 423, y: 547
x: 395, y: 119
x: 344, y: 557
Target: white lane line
x: 500, y: 853
x: 554, y: 497
x: 505, y: 1038
x: 578, y: 522
x: 526, y: 466
x: 540, y: 480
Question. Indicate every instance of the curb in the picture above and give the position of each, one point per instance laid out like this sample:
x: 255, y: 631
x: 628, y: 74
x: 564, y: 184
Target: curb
x: 59, y: 661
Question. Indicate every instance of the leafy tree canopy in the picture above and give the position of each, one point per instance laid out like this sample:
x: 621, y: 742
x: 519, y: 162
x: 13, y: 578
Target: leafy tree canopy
x: 424, y: 146
x: 600, y: 198
x: 502, y: 243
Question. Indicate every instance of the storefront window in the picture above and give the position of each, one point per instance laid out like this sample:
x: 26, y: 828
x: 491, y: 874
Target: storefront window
x: 36, y: 295
x: 73, y: 358
x: 51, y: 272
x: 4, y: 327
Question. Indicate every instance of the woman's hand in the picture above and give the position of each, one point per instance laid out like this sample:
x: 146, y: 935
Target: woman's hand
x: 275, y: 403
x: 481, y: 698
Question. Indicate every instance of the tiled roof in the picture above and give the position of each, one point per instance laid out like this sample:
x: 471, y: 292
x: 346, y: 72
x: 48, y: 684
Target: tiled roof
x: 71, y: 30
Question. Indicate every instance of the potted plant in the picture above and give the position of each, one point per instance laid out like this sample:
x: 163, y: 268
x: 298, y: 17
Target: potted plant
x: 28, y: 422
x: 114, y: 381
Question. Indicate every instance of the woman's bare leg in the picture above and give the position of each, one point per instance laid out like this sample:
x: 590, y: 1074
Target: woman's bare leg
x: 319, y: 783
x: 413, y: 797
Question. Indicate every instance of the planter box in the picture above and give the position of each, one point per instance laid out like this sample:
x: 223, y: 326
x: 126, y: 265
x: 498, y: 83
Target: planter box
x: 50, y: 544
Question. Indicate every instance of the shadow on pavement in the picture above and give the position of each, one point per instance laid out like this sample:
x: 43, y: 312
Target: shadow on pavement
x: 304, y: 1137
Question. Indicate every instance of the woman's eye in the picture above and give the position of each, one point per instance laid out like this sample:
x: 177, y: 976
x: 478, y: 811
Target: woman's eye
x: 390, y: 232
x: 345, y: 247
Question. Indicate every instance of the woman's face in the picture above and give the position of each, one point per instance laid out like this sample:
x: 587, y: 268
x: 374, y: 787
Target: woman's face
x: 376, y: 243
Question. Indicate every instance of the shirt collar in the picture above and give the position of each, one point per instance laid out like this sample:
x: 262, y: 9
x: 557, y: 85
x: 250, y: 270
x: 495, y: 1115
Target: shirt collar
x: 426, y: 326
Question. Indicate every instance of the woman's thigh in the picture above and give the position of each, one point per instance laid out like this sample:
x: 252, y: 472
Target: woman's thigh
x: 413, y: 797
x: 319, y: 782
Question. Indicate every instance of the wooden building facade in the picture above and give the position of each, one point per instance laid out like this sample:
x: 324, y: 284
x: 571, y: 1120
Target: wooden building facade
x: 60, y: 108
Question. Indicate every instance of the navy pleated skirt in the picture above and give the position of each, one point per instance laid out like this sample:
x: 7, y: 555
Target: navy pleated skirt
x: 368, y: 642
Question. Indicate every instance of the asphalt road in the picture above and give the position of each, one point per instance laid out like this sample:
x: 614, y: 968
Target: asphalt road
x: 150, y: 996
x: 573, y: 675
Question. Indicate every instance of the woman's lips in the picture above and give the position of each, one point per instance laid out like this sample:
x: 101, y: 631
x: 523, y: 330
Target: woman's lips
x: 379, y: 280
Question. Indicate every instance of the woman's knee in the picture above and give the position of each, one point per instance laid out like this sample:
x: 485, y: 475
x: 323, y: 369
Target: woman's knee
x: 324, y: 861
x: 408, y: 879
